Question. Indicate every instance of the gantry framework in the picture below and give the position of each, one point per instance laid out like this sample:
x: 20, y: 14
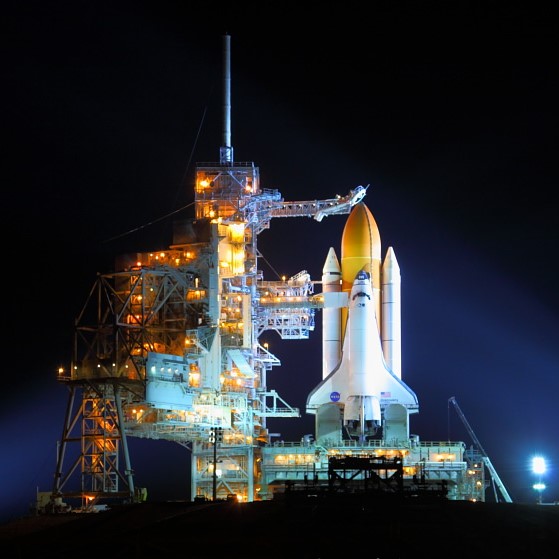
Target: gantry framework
x: 171, y: 339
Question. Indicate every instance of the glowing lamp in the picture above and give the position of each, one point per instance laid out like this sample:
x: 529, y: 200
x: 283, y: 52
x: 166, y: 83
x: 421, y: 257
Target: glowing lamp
x: 538, y: 465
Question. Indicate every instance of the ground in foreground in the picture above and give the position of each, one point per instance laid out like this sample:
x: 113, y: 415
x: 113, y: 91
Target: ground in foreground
x: 304, y: 528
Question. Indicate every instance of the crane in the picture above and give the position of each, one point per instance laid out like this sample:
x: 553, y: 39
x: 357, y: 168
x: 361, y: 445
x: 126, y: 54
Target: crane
x: 495, y: 479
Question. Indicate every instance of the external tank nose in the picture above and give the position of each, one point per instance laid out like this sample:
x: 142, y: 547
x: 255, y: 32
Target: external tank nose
x: 361, y: 246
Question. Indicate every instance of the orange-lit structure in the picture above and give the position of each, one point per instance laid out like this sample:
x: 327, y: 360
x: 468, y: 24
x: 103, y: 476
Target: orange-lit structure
x: 167, y: 347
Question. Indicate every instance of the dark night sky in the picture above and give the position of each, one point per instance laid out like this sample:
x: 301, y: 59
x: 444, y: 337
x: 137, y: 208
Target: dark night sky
x: 449, y: 113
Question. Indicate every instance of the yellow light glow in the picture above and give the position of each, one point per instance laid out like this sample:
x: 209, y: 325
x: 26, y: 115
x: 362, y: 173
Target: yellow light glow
x: 445, y: 457
x: 236, y: 232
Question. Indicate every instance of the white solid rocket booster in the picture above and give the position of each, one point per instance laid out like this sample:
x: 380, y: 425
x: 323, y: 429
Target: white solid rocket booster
x: 391, y: 329
x: 331, y: 316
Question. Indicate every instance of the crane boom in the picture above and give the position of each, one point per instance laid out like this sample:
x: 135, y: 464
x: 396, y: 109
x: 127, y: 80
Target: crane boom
x: 494, y: 476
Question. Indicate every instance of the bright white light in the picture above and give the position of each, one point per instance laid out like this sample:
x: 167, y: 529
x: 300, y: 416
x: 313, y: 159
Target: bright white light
x: 538, y: 465
x: 538, y: 486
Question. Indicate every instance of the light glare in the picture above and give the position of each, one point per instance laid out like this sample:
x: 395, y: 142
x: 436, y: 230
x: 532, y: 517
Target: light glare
x: 538, y: 465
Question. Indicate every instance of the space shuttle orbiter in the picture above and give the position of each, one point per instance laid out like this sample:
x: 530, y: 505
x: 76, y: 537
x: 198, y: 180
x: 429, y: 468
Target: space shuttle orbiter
x: 361, y: 391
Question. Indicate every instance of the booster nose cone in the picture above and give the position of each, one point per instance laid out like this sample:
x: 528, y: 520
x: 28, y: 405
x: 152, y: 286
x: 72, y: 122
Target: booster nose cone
x: 332, y: 265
